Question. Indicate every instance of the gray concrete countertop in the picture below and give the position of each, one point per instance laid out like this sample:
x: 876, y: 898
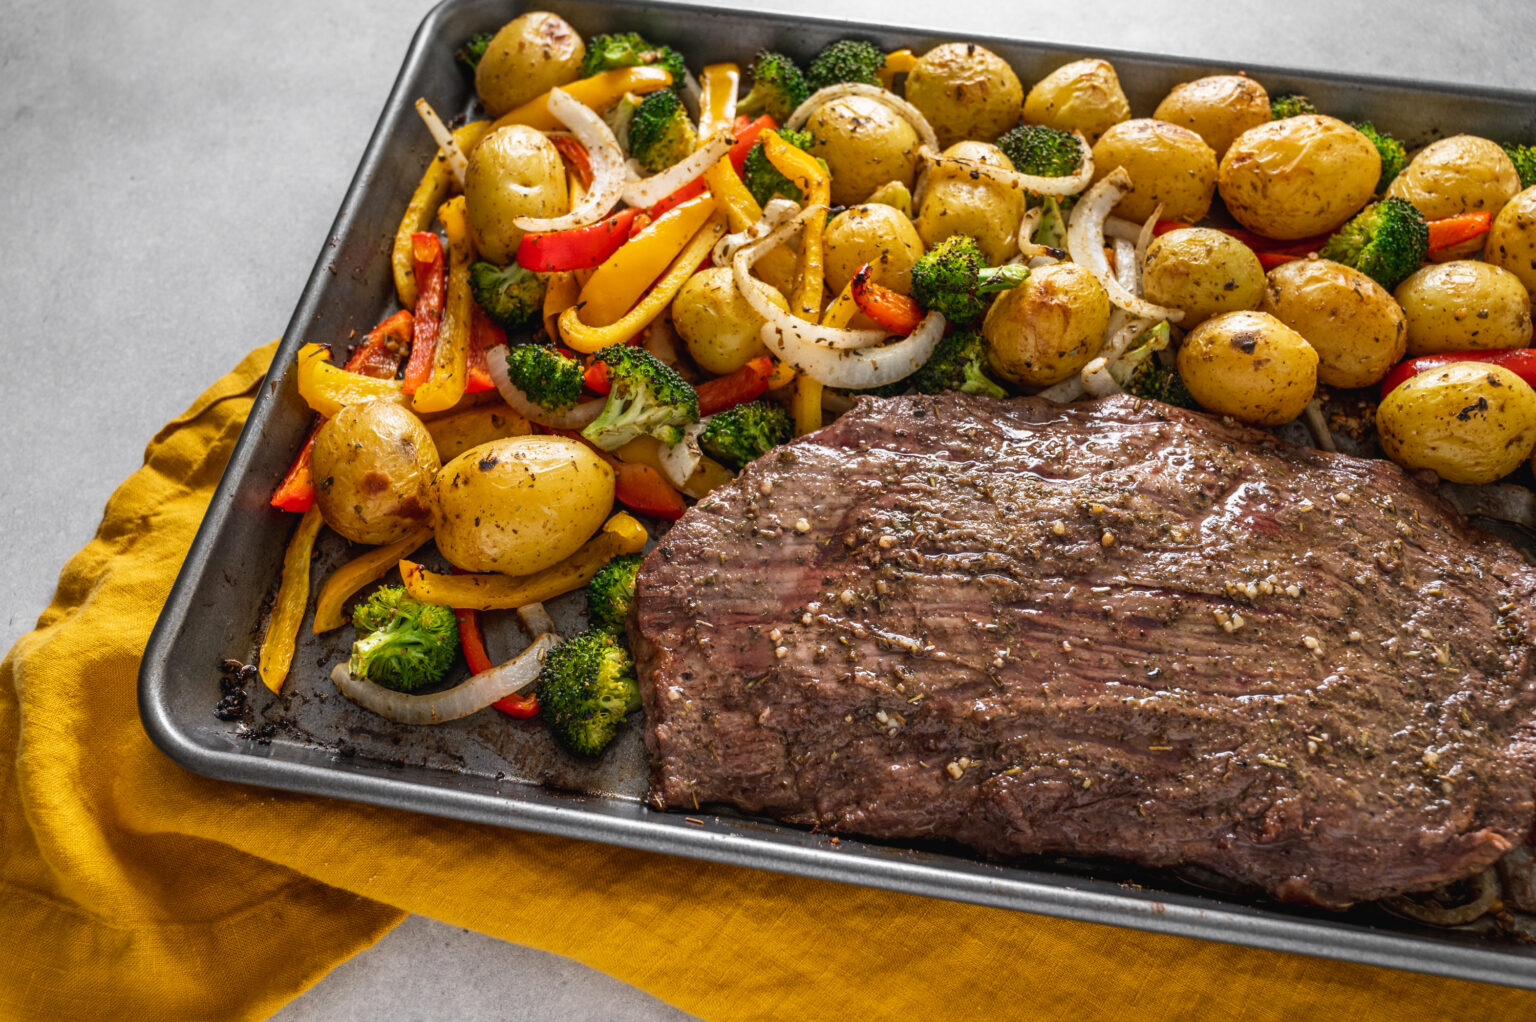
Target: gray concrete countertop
x: 174, y: 167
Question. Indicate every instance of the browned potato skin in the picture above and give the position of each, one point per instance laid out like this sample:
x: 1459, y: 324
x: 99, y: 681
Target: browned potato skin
x: 1169, y: 166
x: 1469, y: 422
x: 373, y: 466
x: 1048, y: 327
x: 1202, y: 272
x: 514, y: 172
x: 1084, y: 96
x: 1218, y: 108
x: 1298, y: 176
x: 528, y: 56
x: 1249, y: 365
x: 1464, y: 305
x: 873, y: 233
x: 1357, y: 329
x: 956, y: 203
x: 716, y: 323
x: 965, y: 91
x: 1512, y: 240
x: 865, y: 146
x: 1460, y: 174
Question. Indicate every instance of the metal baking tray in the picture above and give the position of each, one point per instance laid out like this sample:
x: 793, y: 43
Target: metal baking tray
x: 491, y: 769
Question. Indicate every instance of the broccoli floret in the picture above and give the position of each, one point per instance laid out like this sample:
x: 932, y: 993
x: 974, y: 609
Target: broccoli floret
x: 1041, y: 151
x: 1142, y: 372
x: 1386, y: 241
x: 778, y: 86
x: 847, y: 60
x: 551, y: 381
x: 1290, y: 104
x: 402, y: 643
x: 661, y: 132
x: 1524, y: 159
x: 763, y: 179
x: 512, y: 296
x: 952, y: 277
x: 628, y: 49
x: 646, y: 396
x: 1393, y: 156
x: 957, y: 364
x: 470, y: 53
x: 611, y: 592
x: 586, y: 687
x: 746, y: 432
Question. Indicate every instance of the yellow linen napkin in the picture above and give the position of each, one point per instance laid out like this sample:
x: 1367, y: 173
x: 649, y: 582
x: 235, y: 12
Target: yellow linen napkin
x: 131, y: 888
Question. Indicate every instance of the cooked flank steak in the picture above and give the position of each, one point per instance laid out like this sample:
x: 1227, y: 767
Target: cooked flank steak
x: 1111, y: 629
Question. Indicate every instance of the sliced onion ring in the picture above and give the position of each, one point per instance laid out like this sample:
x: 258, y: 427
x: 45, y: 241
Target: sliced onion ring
x: 900, y: 107
x: 457, y: 163
x: 575, y: 417
x: 858, y: 370
x: 536, y: 620
x: 651, y: 190
x: 607, y: 166
x: 460, y: 701
x: 1071, y: 184
x: 1085, y: 241
x: 1143, y: 242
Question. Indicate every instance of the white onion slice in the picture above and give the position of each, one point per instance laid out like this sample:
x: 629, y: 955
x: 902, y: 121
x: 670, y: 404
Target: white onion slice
x: 607, y: 166
x: 1096, y: 377
x: 1119, y: 227
x: 1069, y: 389
x: 575, y: 417
x: 1070, y: 184
x: 457, y: 163
x: 1125, y: 265
x: 693, y: 96
x: 858, y: 370
x: 1143, y: 242
x: 653, y: 189
x: 774, y: 214
x: 1085, y: 241
x: 536, y: 620
x: 1028, y: 249
x: 1317, y: 425
x: 900, y: 107
x: 680, y: 460
x: 473, y: 694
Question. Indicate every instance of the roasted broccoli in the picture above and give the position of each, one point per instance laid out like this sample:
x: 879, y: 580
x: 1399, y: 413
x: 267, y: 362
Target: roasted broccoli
x: 402, y: 643
x: 628, y: 49
x: 1290, y: 104
x: 611, y: 592
x: 778, y: 86
x: 1393, y: 156
x: 470, y: 53
x: 551, y: 380
x: 763, y: 179
x: 953, y: 275
x: 661, y: 132
x: 586, y: 688
x: 512, y: 296
x: 1524, y: 159
x: 1142, y: 371
x: 1386, y: 241
x: 646, y: 396
x: 1041, y: 151
x: 847, y: 60
x: 746, y: 432
x: 958, y: 363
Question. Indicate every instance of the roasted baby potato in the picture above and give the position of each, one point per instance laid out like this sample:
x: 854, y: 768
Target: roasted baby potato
x: 1048, y: 327
x: 1299, y: 176
x: 954, y: 202
x: 529, y: 55
x: 1169, y: 166
x: 1084, y: 96
x: 965, y: 91
x: 716, y: 323
x: 514, y: 172
x: 521, y: 504
x: 1512, y: 241
x: 1249, y: 365
x: 1218, y: 108
x: 1468, y: 421
x: 865, y: 146
x: 373, y: 465
x: 1460, y: 174
x: 1464, y: 305
x: 1357, y: 329
x: 874, y: 233
x: 1202, y: 272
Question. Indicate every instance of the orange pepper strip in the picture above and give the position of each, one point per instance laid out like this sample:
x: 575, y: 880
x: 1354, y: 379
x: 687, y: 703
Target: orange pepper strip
x: 719, y: 86
x: 600, y: 91
x: 618, y: 283
x: 896, y: 62
x: 1453, y: 230
x: 278, y: 644
x: 450, y: 361
x: 816, y: 185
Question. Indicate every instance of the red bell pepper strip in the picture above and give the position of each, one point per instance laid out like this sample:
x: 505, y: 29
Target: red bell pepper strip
x: 1453, y: 230
x: 473, y: 643
x: 576, y: 157
x: 748, y: 383
x: 1520, y: 361
x: 580, y: 248
x: 431, y: 284
x: 692, y: 190
x: 484, y: 335
x: 1269, y: 260
x: 746, y: 138
x: 596, y: 378
x: 893, y: 310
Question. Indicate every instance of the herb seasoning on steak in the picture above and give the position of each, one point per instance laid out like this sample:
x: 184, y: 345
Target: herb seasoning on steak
x: 1111, y: 629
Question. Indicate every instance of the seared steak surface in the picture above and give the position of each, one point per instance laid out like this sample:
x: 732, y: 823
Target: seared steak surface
x: 1107, y: 629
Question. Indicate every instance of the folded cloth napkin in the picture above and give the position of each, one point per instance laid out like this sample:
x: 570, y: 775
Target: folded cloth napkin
x: 132, y: 888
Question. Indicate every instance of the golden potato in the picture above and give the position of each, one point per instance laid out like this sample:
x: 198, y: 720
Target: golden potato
x: 1169, y: 166
x: 1468, y: 421
x: 1249, y: 365
x: 965, y: 91
x: 874, y: 233
x: 529, y: 55
x: 716, y: 323
x: 865, y: 146
x: 1460, y: 174
x: 1048, y: 327
x: 1299, y: 176
x: 1218, y: 108
x: 1202, y: 272
x: 521, y: 504
x: 373, y: 466
x: 514, y: 172
x: 1512, y: 241
x: 1357, y: 329
x: 954, y: 202
x: 1084, y: 95
x: 1464, y: 305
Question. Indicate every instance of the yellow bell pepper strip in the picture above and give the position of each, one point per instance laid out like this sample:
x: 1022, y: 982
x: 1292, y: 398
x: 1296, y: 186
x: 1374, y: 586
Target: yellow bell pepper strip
x: 618, y: 283
x: 842, y: 310
x: 433, y: 190
x: 450, y: 362
x: 777, y: 267
x: 456, y: 433
x: 345, y: 581
x: 816, y: 185
x: 599, y: 92
x: 805, y: 401
x: 719, y: 85
x: 328, y: 388
x: 277, y: 645
x: 783, y: 375
x: 560, y: 293
x: 622, y: 534
x: 897, y: 62
x: 587, y: 339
